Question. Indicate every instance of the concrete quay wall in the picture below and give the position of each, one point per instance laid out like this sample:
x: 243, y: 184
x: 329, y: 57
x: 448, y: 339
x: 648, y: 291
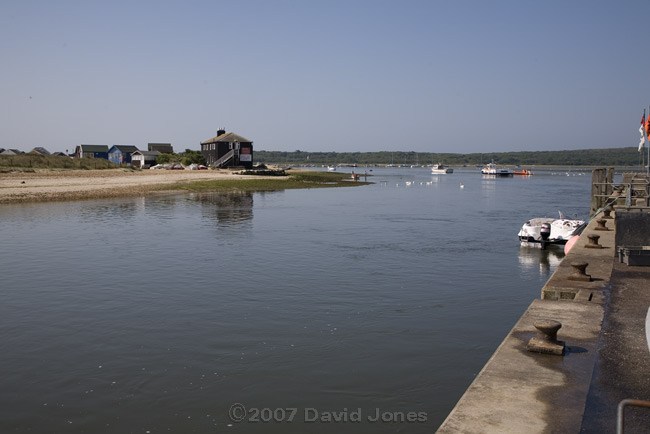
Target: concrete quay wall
x: 519, y: 391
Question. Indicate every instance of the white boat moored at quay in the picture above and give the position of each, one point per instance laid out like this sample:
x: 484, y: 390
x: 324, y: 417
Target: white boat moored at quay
x: 544, y: 231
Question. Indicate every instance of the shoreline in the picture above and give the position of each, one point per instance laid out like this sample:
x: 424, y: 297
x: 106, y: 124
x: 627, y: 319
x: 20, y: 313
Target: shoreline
x: 48, y: 186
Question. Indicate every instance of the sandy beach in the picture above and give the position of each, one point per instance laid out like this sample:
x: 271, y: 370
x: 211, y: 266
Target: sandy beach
x: 91, y: 184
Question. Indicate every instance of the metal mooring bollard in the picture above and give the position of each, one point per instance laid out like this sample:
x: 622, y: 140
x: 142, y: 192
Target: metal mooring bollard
x: 601, y: 225
x: 579, y: 272
x: 607, y: 211
x: 593, y: 242
x: 546, y: 341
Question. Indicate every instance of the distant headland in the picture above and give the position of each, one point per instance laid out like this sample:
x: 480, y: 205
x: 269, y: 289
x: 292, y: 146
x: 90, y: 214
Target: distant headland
x: 583, y: 157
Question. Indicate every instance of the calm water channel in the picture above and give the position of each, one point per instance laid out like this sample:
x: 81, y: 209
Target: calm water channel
x: 164, y: 314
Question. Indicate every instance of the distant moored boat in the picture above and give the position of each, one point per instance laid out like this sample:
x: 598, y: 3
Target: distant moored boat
x: 441, y: 169
x: 493, y: 170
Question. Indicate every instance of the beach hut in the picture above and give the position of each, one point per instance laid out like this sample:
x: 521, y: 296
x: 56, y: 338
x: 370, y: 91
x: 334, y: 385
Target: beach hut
x: 40, y: 151
x: 91, y: 151
x: 11, y: 152
x: 163, y: 148
x: 144, y: 159
x: 121, y: 154
x: 228, y: 150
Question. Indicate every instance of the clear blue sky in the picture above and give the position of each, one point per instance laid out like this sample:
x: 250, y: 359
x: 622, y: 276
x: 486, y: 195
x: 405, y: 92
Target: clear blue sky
x: 426, y: 76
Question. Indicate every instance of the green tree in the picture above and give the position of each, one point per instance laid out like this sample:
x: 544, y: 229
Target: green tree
x: 164, y: 158
x: 192, y: 157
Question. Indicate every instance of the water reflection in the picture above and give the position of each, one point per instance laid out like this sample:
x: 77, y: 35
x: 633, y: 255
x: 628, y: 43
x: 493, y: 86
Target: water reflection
x: 161, y: 207
x: 489, y: 185
x: 226, y: 209
x: 531, y: 258
x: 110, y: 211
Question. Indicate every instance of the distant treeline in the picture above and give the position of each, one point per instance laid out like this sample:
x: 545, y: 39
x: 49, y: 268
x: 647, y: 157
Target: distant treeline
x: 583, y: 157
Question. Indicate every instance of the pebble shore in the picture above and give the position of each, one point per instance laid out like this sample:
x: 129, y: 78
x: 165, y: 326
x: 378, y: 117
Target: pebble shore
x: 45, y: 186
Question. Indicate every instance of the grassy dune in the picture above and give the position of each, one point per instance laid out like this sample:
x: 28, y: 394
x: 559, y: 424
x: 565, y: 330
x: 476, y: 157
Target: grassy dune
x: 31, y: 162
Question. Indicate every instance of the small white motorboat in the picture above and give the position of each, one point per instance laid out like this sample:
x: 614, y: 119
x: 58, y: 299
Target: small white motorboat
x: 493, y: 170
x: 441, y: 169
x: 544, y: 231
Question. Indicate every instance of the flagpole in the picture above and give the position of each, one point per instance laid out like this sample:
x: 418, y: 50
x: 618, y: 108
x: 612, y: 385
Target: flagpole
x: 644, y: 142
x: 647, y: 165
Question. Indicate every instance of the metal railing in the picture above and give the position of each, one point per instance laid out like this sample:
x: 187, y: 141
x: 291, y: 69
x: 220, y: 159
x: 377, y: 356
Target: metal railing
x: 227, y: 157
x: 620, y: 414
x: 635, y: 189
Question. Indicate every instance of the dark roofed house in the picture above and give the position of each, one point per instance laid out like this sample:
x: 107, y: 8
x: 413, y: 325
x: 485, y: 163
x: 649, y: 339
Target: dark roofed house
x: 40, y: 151
x: 144, y: 159
x: 163, y: 148
x: 228, y: 150
x: 59, y: 154
x: 91, y: 151
x: 121, y: 154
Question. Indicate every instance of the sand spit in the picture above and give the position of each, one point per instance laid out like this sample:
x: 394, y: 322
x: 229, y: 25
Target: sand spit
x: 93, y: 184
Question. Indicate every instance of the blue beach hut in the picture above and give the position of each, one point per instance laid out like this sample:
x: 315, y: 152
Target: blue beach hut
x: 121, y: 154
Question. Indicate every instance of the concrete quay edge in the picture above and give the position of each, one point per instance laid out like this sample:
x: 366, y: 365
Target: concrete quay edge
x: 519, y: 391
x: 600, y: 261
